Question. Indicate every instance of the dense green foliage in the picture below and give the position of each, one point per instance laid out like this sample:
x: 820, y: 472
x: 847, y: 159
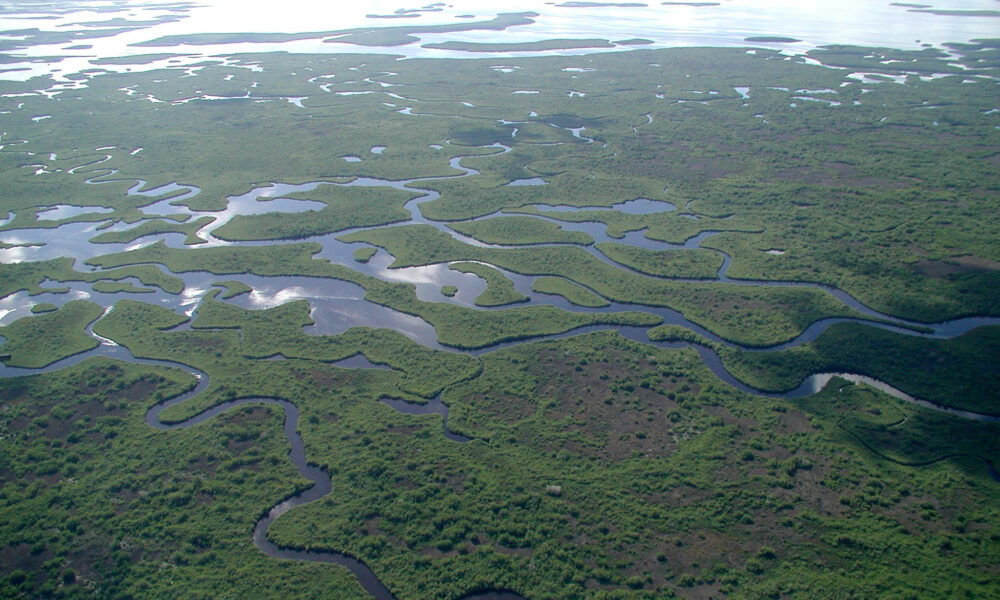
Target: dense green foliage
x: 28, y: 276
x: 687, y: 264
x: 597, y: 467
x: 960, y: 372
x: 580, y: 447
x: 116, y: 287
x: 233, y: 288
x: 227, y: 342
x: 98, y: 505
x: 519, y: 231
x: 364, y: 254
x: 365, y: 36
x: 568, y: 290
x: 155, y: 226
x: 873, y: 212
x: 611, y: 467
x: 346, y: 207
x: 499, y: 290
x: 43, y: 339
x: 455, y: 325
x: 748, y: 315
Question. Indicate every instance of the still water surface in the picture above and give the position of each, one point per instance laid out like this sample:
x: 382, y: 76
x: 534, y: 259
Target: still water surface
x: 727, y: 23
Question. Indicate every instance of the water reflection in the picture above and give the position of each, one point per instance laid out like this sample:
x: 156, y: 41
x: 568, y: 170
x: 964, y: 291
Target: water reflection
x: 65, y: 211
x: 45, y: 244
x: 530, y: 181
x: 860, y: 22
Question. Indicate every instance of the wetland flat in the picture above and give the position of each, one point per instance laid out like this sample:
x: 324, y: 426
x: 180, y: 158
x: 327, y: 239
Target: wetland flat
x: 575, y: 300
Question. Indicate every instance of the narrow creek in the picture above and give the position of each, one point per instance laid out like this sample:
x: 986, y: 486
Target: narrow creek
x: 321, y: 482
x: 71, y: 239
x: 338, y: 305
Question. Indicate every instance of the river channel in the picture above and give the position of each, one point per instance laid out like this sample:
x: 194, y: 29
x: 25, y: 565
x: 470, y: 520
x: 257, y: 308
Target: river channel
x: 339, y: 305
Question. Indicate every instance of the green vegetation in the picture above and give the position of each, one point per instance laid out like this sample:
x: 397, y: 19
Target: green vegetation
x: 959, y: 372
x: 562, y: 44
x: 261, y: 142
x: 365, y: 254
x: 771, y: 39
x: 621, y: 430
x: 98, y: 504
x: 42, y: 339
x: 666, y: 480
x: 28, y: 276
x: 29, y: 37
x: 284, y: 259
x: 154, y: 227
x: 227, y: 340
x: 597, y: 467
x: 6, y: 246
x: 400, y: 36
x: 114, y: 287
x: 785, y: 179
x: 748, y: 315
x: 346, y: 208
x: 455, y: 325
x: 137, y: 59
x: 568, y: 290
x: 499, y: 289
x: 662, y: 226
x: 233, y: 288
x: 368, y: 36
x: 43, y: 307
x: 686, y: 264
x: 677, y: 333
x: 449, y: 290
x: 515, y: 231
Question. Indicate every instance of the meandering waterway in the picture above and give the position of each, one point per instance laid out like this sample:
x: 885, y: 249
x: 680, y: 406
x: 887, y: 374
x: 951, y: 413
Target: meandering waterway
x: 321, y: 482
x: 338, y: 305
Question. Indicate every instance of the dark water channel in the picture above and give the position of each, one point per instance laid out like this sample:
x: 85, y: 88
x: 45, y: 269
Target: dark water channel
x: 338, y: 305
x: 321, y: 482
x: 337, y: 312
x: 435, y: 406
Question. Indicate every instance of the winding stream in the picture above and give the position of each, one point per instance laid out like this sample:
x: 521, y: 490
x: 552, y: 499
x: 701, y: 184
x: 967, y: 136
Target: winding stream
x: 338, y: 305
x: 321, y: 482
x: 71, y: 239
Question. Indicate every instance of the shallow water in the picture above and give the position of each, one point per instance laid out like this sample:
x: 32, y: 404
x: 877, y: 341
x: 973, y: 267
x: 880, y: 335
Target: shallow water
x: 530, y: 181
x: 859, y: 22
x: 66, y: 211
x: 322, y: 485
x: 336, y: 305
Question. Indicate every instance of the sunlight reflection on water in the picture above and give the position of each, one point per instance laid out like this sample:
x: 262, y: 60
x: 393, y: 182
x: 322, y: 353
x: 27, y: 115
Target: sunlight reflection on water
x: 859, y: 22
